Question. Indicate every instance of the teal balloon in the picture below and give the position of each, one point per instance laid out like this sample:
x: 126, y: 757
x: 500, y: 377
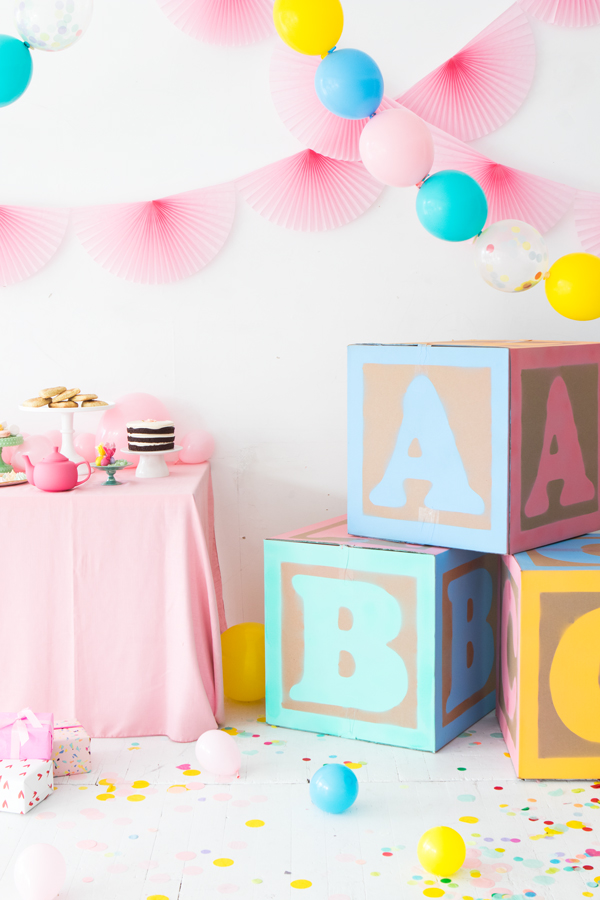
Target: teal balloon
x: 452, y: 206
x: 334, y: 788
x: 349, y: 84
x: 15, y: 69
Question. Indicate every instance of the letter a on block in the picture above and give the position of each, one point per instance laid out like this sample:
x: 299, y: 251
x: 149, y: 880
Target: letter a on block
x: 380, y: 679
x: 469, y: 675
x: 567, y: 463
x: 425, y: 419
x: 574, y: 677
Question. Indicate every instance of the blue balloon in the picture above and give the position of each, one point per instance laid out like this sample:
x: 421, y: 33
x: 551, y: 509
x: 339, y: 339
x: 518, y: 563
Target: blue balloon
x: 333, y: 788
x: 15, y: 69
x: 349, y: 84
x: 452, y: 206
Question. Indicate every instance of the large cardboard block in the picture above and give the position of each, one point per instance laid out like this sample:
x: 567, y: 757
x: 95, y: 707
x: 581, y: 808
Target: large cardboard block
x: 548, y: 698
x: 489, y: 446
x: 386, y: 642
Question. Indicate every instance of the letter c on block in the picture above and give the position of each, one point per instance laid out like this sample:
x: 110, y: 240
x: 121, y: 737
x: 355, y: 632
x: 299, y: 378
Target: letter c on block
x: 574, y: 677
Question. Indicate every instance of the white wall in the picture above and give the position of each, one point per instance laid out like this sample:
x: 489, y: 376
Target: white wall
x: 253, y: 347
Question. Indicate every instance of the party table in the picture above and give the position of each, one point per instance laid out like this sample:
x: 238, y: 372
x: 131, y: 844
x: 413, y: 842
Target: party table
x: 110, y: 604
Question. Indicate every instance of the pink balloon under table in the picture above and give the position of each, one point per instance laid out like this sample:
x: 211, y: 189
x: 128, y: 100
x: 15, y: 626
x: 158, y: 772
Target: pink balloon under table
x: 110, y: 605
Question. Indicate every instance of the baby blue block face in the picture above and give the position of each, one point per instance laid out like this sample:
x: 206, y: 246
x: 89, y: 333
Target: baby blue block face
x: 428, y: 444
x: 357, y: 646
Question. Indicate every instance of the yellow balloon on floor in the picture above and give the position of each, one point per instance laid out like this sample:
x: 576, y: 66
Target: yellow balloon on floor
x: 243, y: 648
x: 441, y: 851
x: 573, y: 286
x: 309, y: 26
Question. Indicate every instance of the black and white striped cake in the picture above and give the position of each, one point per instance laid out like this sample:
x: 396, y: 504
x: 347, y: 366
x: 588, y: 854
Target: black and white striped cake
x: 148, y: 435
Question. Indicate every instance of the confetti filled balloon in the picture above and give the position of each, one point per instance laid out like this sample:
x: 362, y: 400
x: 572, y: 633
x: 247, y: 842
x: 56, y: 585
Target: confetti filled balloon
x: 511, y: 256
x: 15, y: 69
x: 334, y: 788
x: 452, y: 206
x: 52, y: 24
x: 573, y: 286
x: 243, y: 649
x: 441, y: 851
x: 309, y: 26
x: 349, y: 84
x: 40, y: 872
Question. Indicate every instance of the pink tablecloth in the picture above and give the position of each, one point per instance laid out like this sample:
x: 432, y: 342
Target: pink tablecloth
x: 111, y: 606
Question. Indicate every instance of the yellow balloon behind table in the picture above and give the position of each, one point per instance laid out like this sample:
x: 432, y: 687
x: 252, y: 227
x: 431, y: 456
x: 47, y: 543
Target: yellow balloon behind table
x: 573, y: 286
x: 309, y: 26
x: 243, y: 648
x: 441, y: 851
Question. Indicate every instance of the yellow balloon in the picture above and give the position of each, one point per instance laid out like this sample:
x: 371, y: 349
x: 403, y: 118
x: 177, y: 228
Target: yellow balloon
x: 243, y: 648
x: 441, y: 851
x: 573, y: 286
x: 309, y: 26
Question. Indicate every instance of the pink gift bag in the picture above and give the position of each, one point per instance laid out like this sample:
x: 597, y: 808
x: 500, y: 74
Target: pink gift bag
x: 25, y: 735
x: 71, y: 752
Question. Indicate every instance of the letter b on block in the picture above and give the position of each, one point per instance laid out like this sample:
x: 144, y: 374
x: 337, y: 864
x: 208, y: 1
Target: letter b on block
x: 380, y: 679
x: 471, y: 597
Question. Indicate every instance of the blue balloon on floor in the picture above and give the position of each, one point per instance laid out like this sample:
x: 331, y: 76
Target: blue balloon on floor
x: 15, y: 69
x: 452, y: 206
x: 349, y: 84
x: 334, y: 788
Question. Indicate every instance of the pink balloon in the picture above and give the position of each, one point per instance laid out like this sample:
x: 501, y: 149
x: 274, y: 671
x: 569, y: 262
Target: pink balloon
x: 217, y: 752
x: 36, y: 447
x: 85, y: 444
x: 55, y: 438
x: 198, y: 446
x: 131, y: 407
x: 396, y: 147
x: 7, y: 454
x: 40, y: 872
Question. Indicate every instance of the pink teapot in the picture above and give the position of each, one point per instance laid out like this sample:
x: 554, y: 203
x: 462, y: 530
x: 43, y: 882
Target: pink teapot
x: 54, y: 473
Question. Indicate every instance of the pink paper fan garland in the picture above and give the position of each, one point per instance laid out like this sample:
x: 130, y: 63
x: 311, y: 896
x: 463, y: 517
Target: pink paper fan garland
x: 159, y: 241
x: 230, y: 23
x: 310, y: 192
x: 587, y: 220
x: 479, y: 88
x: 29, y: 238
x: 511, y: 194
x: 568, y: 13
x: 292, y: 79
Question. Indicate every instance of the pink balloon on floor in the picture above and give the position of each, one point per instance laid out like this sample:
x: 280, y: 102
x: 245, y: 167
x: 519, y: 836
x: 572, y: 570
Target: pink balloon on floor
x: 217, y: 752
x: 396, y: 147
x: 198, y: 446
x: 129, y: 408
x: 40, y: 872
x: 85, y: 444
x: 36, y: 447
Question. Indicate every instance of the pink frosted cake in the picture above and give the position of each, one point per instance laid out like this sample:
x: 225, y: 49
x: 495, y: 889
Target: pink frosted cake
x: 148, y: 435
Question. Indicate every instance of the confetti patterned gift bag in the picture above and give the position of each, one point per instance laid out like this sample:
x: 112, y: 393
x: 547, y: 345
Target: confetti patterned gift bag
x: 71, y: 748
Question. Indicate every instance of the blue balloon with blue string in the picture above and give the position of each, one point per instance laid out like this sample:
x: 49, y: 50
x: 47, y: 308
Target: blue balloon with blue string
x: 334, y: 788
x: 349, y: 84
x: 451, y: 205
x: 15, y: 69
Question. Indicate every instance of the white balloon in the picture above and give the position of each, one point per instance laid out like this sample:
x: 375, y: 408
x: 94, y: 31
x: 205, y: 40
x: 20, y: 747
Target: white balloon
x: 52, y: 24
x: 40, y: 872
x: 511, y: 256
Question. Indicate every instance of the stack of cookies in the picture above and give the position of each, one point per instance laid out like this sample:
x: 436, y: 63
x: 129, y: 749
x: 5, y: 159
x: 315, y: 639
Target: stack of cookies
x: 63, y: 398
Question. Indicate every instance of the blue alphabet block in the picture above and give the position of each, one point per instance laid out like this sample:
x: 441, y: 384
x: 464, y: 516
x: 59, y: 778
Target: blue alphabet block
x: 386, y: 642
x: 489, y: 446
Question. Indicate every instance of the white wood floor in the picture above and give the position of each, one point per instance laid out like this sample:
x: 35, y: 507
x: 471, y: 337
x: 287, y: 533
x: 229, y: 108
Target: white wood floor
x: 146, y: 824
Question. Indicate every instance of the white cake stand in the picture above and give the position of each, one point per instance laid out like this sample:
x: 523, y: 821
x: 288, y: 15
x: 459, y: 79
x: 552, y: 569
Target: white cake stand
x: 152, y: 464
x: 67, y: 447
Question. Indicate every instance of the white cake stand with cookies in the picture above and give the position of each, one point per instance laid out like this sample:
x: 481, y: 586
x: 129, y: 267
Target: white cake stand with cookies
x: 66, y: 414
x: 152, y: 463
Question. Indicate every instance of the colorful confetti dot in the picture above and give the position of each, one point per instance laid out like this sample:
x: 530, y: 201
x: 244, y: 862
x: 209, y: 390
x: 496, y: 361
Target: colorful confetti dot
x: 222, y: 862
x: 136, y: 798
x: 255, y: 823
x: 301, y: 884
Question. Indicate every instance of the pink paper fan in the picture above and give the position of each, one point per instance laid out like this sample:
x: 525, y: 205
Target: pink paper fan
x: 230, y: 23
x: 511, y: 194
x: 310, y: 192
x: 479, y: 88
x: 293, y: 91
x: 587, y: 220
x: 159, y: 241
x: 570, y: 13
x: 29, y: 237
